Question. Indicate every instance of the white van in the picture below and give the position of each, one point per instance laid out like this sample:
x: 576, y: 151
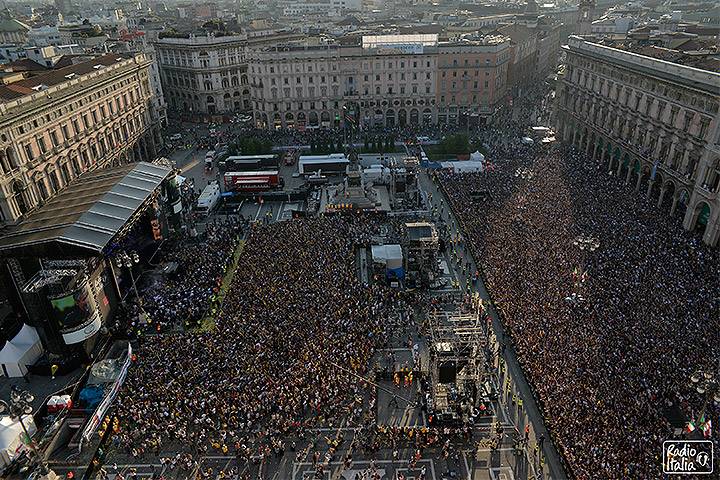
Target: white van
x: 209, y: 199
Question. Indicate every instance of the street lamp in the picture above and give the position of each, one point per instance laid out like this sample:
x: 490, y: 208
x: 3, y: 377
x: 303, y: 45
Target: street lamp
x: 21, y: 404
x: 129, y: 260
x: 585, y: 243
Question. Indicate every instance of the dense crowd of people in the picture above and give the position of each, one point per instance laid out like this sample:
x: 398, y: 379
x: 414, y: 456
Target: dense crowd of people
x: 181, y: 298
x: 608, y: 338
x: 294, y: 311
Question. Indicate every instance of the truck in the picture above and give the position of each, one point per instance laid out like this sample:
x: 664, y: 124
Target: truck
x: 333, y: 163
x: 208, y: 199
x: 262, y: 181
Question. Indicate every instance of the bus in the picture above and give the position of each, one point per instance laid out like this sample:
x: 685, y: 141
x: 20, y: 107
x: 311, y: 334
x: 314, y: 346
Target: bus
x: 249, y: 163
x: 262, y: 181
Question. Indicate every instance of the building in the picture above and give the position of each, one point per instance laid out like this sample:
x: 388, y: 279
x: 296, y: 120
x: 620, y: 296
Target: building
x: 523, y: 65
x: 587, y: 12
x: 382, y: 81
x: 59, y: 123
x: 472, y: 79
x: 292, y: 8
x: 12, y: 30
x: 204, y: 74
x: 650, y: 116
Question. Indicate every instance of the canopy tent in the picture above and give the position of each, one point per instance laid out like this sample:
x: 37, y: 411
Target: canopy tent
x: 23, y: 350
x: 391, y: 256
x: 477, y: 156
x: 11, y: 437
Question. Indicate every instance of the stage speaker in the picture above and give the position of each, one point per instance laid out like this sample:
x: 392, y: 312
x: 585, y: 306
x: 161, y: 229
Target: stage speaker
x: 447, y: 373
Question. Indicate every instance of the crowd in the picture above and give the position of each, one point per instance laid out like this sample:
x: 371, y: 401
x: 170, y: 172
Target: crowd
x: 608, y: 338
x: 181, y: 298
x: 294, y: 311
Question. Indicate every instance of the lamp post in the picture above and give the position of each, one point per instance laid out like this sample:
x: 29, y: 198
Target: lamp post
x: 21, y: 404
x: 129, y: 260
x: 585, y: 243
x: 707, y: 383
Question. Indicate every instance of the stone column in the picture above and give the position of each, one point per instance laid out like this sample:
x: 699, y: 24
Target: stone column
x: 651, y: 184
x: 662, y: 196
x: 594, y: 154
x: 629, y: 172
x: 619, y: 167
x: 674, y: 204
x: 639, y: 178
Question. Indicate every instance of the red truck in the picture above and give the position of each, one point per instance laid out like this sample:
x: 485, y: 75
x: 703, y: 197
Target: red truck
x: 262, y: 181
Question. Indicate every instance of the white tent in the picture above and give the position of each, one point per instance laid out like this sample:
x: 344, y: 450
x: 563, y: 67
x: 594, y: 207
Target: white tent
x: 11, y: 437
x: 21, y: 351
x: 389, y: 255
x: 477, y: 157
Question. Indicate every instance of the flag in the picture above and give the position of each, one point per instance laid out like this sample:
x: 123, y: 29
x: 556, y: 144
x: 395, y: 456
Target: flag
x: 690, y: 427
x: 706, y: 428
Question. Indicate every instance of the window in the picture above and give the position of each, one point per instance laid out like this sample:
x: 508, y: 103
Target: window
x: 42, y: 189
x: 41, y: 144
x: 687, y: 121
x: 704, y: 125
x: 29, y: 151
x: 65, y: 132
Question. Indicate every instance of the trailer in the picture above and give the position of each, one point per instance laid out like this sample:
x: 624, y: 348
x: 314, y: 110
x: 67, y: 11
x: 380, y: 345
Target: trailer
x: 333, y: 163
x: 249, y: 163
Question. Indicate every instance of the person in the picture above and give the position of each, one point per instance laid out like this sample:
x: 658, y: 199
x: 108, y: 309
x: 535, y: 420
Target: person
x: 596, y: 360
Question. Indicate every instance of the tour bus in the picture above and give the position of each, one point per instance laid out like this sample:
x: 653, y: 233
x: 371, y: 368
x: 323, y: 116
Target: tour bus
x: 208, y: 199
x: 244, y: 182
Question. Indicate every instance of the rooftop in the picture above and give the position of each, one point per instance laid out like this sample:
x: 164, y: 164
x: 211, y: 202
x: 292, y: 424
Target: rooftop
x: 56, y: 76
x: 90, y: 211
x: 701, y: 59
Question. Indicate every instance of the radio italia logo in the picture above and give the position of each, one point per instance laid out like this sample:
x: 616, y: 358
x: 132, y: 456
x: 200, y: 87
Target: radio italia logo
x: 688, y: 457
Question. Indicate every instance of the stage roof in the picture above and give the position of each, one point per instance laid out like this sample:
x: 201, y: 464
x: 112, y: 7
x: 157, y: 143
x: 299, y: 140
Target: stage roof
x: 91, y: 210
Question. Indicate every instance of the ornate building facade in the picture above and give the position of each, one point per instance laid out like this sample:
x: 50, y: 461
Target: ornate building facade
x: 63, y: 122
x: 384, y: 81
x: 204, y: 74
x: 652, y: 123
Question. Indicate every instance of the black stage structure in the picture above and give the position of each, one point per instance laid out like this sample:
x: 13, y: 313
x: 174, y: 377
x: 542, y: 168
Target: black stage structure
x: 57, y: 265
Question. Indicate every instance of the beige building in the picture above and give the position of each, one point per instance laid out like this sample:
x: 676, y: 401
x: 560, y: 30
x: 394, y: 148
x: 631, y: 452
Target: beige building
x: 383, y: 81
x: 60, y: 123
x: 652, y: 123
x: 204, y: 74
x: 472, y: 79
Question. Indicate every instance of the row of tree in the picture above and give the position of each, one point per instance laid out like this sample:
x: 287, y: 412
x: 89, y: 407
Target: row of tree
x: 457, y: 145
x: 250, y: 146
x: 326, y: 146
x: 379, y: 144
